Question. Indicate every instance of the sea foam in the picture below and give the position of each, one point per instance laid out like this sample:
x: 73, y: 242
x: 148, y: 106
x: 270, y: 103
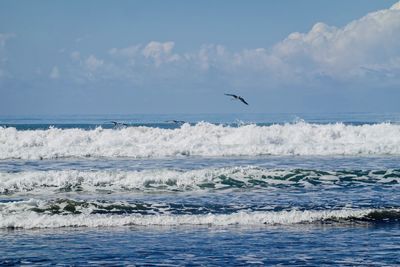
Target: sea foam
x: 171, y: 180
x: 31, y: 219
x: 202, y: 139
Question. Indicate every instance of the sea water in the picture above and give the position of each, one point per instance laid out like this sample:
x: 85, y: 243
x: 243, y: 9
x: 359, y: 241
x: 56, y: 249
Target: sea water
x: 231, y: 189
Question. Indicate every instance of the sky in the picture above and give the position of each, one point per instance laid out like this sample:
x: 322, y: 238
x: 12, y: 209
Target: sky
x: 151, y: 57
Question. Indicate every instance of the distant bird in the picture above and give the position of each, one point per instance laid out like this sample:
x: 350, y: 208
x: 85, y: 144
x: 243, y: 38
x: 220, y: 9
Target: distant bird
x: 118, y: 124
x: 238, y: 98
x: 176, y: 121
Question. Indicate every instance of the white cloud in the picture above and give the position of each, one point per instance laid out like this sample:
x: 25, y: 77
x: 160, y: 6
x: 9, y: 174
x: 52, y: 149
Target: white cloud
x: 365, y: 50
x: 92, y: 63
x: 210, y: 56
x: 160, y: 52
x: 54, y: 73
x: 131, y: 51
x: 344, y: 53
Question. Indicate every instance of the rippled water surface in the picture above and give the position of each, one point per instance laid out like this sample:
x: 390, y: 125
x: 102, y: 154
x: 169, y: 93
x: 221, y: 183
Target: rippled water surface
x: 254, y: 191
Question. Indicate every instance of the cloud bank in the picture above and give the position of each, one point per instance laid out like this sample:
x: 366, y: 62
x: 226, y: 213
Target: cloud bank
x: 369, y: 46
x: 364, y: 52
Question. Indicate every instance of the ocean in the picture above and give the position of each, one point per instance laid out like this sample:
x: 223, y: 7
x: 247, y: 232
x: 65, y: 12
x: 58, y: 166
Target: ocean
x: 213, y: 190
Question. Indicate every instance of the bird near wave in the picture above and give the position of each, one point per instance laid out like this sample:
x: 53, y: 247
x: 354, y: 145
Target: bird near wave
x: 238, y: 98
x: 119, y: 124
x: 175, y: 121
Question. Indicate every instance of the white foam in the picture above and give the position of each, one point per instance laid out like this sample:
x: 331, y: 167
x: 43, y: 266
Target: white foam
x: 29, y: 219
x: 145, y: 180
x: 202, y: 139
x: 54, y: 181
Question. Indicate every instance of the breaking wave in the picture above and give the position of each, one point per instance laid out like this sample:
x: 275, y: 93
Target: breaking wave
x: 169, y: 180
x: 66, y: 213
x: 202, y: 139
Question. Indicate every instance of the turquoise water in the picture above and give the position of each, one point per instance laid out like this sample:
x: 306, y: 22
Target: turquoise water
x: 229, y: 189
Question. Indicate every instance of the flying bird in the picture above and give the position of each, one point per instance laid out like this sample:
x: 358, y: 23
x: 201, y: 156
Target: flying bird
x: 118, y: 124
x: 238, y: 98
x: 175, y: 121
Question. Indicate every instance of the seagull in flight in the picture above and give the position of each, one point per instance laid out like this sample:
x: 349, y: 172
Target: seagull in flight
x: 238, y: 98
x: 175, y: 121
x: 118, y: 124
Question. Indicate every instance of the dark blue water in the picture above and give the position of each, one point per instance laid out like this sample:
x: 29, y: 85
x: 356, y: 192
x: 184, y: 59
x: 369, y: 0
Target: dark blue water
x: 300, y: 245
x: 125, y: 200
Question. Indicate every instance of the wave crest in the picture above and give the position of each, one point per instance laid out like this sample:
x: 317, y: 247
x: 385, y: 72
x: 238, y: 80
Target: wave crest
x: 202, y: 139
x: 167, y: 180
x: 34, y: 214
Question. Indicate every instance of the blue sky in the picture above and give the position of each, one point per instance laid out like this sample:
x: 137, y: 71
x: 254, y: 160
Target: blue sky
x: 125, y: 57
